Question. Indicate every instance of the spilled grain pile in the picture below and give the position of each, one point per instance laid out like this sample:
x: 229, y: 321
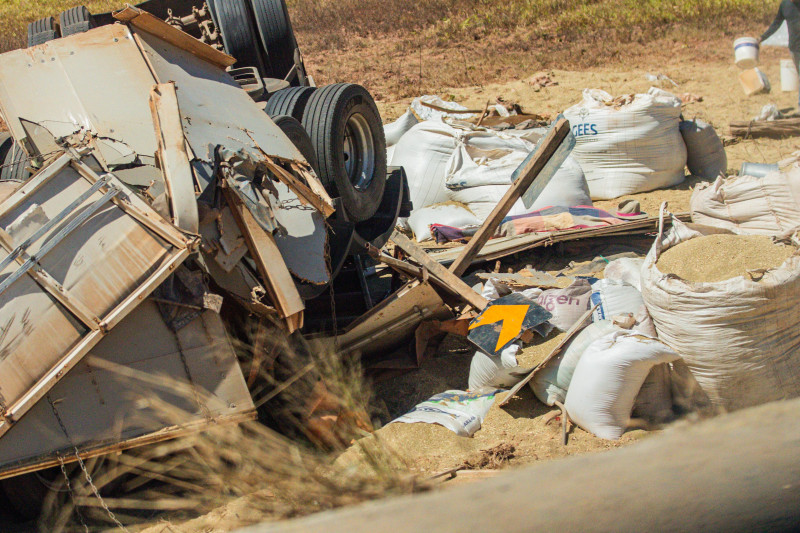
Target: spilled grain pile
x: 715, y: 258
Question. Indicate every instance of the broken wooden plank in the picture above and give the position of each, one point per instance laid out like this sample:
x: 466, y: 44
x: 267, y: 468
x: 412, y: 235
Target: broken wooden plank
x: 312, y: 194
x: 395, y: 264
x: 526, y: 179
x: 576, y: 327
x: 505, y: 246
x: 152, y: 24
x: 440, y: 274
x: 776, y: 129
x: 173, y: 157
x: 275, y: 275
x: 535, y: 279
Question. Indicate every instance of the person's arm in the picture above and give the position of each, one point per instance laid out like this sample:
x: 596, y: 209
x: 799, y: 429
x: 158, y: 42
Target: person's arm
x: 774, y: 26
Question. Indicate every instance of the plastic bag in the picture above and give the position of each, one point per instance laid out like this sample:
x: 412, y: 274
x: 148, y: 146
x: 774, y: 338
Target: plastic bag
x: 460, y: 412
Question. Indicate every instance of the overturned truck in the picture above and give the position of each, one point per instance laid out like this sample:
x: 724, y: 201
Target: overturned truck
x: 147, y: 193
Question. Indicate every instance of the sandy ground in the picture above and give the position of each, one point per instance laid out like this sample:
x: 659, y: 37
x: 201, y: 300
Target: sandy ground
x: 717, y: 83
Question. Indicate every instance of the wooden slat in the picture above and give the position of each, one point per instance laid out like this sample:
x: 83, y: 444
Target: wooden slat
x: 526, y: 179
x: 505, y: 246
x: 174, y: 159
x: 439, y: 274
x: 151, y: 24
x: 776, y: 129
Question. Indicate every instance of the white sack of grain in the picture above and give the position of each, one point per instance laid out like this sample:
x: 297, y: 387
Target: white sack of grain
x: 567, y: 188
x: 438, y: 109
x: 765, y: 206
x: 630, y: 145
x: 705, y: 154
x: 447, y: 214
x: 614, y: 297
x: 551, y: 382
x: 425, y: 151
x: 608, y: 378
x: 739, y: 337
x: 501, y: 371
x: 626, y: 269
x: 395, y: 130
x: 566, y: 305
x: 486, y: 157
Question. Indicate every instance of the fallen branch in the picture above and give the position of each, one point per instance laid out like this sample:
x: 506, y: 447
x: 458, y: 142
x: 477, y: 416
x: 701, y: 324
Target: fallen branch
x: 776, y: 129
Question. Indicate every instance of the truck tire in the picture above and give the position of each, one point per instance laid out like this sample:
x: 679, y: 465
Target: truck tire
x: 14, y: 165
x: 43, y: 30
x: 291, y: 101
x: 346, y: 131
x: 292, y: 128
x: 277, y: 36
x: 75, y: 20
x: 239, y: 38
x: 6, y: 142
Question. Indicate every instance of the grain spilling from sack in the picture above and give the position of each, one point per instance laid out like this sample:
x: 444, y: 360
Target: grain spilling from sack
x: 739, y: 337
x: 715, y: 258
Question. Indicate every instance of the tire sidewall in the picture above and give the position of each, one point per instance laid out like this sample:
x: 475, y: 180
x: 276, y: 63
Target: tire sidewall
x: 359, y: 201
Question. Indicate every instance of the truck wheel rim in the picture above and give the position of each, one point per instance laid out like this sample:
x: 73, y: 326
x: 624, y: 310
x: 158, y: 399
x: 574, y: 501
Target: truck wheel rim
x: 359, y: 151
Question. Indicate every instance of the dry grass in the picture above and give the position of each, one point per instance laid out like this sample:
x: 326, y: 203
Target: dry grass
x: 398, y: 48
x: 230, y: 476
x: 16, y: 14
x: 401, y: 49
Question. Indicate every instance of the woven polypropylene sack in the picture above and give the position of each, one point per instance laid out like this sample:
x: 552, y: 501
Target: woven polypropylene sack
x: 705, y: 154
x: 395, y: 130
x: 765, y: 206
x: 424, y: 152
x: 567, y: 188
x: 551, y: 382
x: 608, y: 379
x: 628, y: 146
x: 740, y: 338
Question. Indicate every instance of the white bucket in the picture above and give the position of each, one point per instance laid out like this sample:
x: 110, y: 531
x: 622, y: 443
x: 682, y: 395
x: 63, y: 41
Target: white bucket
x: 745, y: 49
x: 789, y: 80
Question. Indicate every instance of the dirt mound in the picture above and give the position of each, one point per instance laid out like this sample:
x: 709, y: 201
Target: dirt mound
x: 715, y: 258
x: 428, y: 448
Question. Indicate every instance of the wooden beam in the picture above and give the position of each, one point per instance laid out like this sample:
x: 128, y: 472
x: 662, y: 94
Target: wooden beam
x: 439, y: 274
x: 777, y: 129
x: 527, y: 177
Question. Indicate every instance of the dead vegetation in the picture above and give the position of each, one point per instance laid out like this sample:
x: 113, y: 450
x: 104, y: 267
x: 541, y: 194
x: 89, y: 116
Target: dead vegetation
x: 235, y: 475
x: 399, y: 49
